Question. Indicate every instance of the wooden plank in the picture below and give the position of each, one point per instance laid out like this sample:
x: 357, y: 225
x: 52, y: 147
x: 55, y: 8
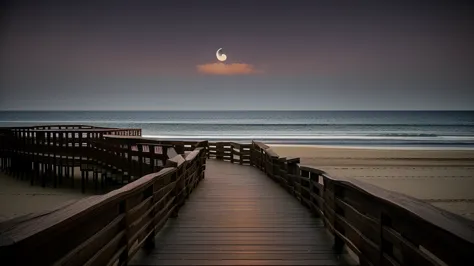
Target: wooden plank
x: 294, y: 262
x: 175, y: 161
x: 83, y: 252
x: 411, y: 255
x: 238, y: 214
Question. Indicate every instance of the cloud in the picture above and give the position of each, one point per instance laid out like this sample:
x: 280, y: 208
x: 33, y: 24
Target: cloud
x: 227, y: 69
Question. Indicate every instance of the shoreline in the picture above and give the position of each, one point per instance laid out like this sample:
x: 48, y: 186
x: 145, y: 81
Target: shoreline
x: 375, y: 147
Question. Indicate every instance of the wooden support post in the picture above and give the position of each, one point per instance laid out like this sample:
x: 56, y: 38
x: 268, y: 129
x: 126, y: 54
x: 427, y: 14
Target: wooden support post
x: 140, y: 160
x: 176, y: 190
x: 124, y: 208
x: 73, y: 154
x: 241, y: 156
x: 54, y: 164
x: 103, y: 181
x: 338, y: 241
x: 130, y: 161
x: 83, y: 181
x: 304, y: 174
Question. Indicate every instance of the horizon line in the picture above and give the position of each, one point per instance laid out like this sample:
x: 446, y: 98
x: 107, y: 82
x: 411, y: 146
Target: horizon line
x: 248, y: 110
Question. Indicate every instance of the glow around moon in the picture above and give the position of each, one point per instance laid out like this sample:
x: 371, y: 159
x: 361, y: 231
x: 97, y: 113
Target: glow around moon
x: 221, y: 56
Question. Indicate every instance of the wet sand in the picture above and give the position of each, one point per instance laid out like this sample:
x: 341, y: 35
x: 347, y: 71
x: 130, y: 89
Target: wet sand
x: 443, y: 177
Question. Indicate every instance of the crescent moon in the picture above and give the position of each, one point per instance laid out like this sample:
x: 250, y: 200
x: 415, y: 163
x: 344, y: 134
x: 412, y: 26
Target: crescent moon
x: 220, y: 56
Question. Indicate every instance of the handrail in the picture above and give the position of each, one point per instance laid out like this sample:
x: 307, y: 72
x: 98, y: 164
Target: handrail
x: 381, y: 227
x: 47, y: 154
x: 230, y: 151
x: 106, y: 229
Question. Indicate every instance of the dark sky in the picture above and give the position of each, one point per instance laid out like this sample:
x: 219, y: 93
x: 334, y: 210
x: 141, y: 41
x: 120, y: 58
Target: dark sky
x: 299, y: 55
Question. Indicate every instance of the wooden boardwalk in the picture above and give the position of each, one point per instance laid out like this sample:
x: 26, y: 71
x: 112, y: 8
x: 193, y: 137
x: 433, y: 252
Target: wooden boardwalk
x: 253, y: 208
x: 239, y: 216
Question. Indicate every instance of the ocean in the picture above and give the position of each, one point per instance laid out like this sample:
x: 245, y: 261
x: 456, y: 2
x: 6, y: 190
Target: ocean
x: 346, y: 128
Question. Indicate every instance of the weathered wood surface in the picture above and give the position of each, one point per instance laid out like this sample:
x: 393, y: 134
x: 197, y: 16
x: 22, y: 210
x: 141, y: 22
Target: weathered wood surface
x: 108, y: 157
x: 230, y: 151
x: 238, y: 205
x: 106, y: 229
x: 238, y: 216
x: 381, y: 227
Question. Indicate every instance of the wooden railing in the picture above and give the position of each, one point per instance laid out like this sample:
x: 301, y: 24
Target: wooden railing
x: 381, y: 227
x: 50, y: 154
x: 50, y: 151
x: 230, y: 151
x: 106, y: 229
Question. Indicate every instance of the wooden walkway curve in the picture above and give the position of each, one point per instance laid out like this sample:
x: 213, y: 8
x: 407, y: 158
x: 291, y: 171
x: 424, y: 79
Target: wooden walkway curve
x: 253, y: 208
x: 239, y: 216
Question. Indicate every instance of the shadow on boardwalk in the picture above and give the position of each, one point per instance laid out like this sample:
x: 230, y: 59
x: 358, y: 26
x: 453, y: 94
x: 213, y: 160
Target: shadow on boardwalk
x: 238, y: 216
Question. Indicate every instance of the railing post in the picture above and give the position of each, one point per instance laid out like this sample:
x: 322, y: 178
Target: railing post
x: 275, y: 169
x: 175, y: 178
x: 140, y: 161
x: 130, y: 161
x: 338, y: 241
x: 251, y: 153
x: 241, y: 156
x: 279, y: 170
x: 292, y: 169
x: 311, y: 186
x: 124, y: 208
x: 180, y: 179
x: 219, y: 151
x: 54, y: 162
x: 267, y: 165
x: 150, y: 240
x: 283, y: 169
x: 304, y: 174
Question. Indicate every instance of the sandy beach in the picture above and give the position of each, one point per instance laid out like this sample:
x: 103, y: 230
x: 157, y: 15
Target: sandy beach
x: 18, y: 197
x: 443, y: 177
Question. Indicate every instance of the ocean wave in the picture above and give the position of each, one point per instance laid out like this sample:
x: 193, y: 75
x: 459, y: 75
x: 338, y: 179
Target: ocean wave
x: 407, y: 135
x: 315, y: 137
x: 359, y: 141
x: 237, y: 123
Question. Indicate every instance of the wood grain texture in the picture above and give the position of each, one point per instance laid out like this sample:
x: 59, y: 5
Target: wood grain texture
x: 238, y: 216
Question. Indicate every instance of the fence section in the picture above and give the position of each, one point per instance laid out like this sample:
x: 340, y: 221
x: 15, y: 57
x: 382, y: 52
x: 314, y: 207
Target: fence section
x: 381, y: 227
x: 106, y: 229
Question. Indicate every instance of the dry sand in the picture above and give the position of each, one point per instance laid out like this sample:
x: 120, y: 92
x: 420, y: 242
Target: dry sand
x: 443, y: 177
x: 18, y: 197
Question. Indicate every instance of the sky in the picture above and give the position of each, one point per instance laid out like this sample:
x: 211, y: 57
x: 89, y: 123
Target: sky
x: 281, y: 55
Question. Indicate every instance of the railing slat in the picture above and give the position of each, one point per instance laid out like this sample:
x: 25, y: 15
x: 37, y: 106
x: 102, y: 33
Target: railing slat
x: 98, y: 230
x: 380, y: 226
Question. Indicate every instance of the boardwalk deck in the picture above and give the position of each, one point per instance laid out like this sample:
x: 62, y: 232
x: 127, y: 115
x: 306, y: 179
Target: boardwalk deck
x: 238, y: 216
